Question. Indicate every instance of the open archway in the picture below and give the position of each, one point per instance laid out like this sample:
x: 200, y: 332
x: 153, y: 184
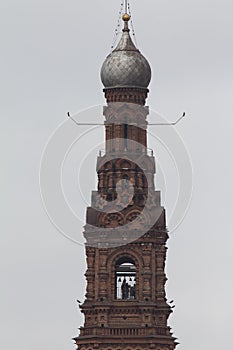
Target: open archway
x: 125, y: 279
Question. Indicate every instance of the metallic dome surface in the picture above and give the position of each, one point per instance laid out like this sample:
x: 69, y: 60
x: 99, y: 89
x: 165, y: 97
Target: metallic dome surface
x: 126, y: 66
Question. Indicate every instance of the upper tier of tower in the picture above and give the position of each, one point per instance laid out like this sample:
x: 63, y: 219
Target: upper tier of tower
x: 126, y: 73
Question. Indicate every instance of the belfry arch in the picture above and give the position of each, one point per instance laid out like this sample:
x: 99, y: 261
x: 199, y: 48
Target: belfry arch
x: 124, y: 263
x: 125, y: 279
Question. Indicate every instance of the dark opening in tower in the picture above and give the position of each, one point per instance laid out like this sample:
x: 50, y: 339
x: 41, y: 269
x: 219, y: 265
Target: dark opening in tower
x: 125, y: 279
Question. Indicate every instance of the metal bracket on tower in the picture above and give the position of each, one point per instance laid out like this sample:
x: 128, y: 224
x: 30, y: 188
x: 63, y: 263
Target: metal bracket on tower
x: 150, y: 124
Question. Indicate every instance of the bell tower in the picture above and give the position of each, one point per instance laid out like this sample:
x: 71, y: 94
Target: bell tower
x: 125, y: 307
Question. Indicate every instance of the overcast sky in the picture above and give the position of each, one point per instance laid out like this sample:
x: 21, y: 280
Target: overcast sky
x: 51, y: 54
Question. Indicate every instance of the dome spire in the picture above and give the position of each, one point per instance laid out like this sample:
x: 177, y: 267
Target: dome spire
x: 125, y: 72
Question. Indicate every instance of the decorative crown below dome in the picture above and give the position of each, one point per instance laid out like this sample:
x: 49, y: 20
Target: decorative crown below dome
x: 125, y: 66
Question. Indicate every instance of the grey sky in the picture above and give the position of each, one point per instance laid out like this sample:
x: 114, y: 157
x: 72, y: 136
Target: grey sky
x: 51, y: 54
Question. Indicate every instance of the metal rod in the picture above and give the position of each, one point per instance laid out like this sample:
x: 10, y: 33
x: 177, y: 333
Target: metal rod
x: 174, y: 123
x: 77, y: 123
x: 126, y: 6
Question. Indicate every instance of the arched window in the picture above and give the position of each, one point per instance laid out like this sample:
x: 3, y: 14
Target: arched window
x: 125, y: 279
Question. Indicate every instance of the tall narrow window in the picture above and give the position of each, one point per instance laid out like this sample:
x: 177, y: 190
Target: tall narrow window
x: 125, y: 135
x: 125, y: 279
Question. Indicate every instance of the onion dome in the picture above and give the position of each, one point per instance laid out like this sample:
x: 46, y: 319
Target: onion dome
x: 126, y: 73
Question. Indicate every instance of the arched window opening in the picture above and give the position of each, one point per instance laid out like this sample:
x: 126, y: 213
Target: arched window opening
x: 125, y: 135
x: 125, y: 279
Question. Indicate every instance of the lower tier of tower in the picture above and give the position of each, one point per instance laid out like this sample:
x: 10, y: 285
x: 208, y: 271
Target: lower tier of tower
x: 126, y: 340
x: 122, y: 338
